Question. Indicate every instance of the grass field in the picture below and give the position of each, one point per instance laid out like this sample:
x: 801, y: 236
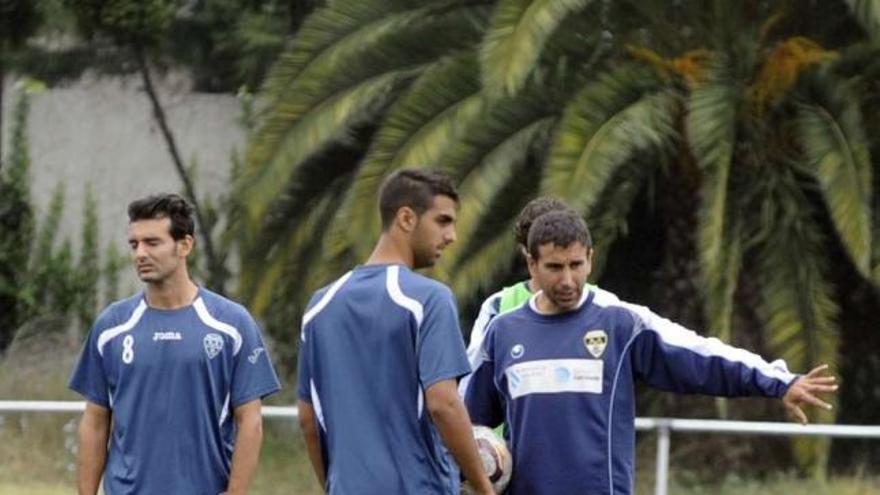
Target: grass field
x: 37, y: 451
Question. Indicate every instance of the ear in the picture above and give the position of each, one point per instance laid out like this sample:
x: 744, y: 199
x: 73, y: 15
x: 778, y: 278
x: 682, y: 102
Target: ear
x: 185, y: 246
x: 591, y: 255
x: 533, y: 265
x: 406, y: 219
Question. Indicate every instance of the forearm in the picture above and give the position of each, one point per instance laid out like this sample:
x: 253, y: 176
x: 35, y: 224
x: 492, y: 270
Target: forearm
x: 245, y: 457
x: 454, y: 425
x: 92, y: 453
x: 309, y: 429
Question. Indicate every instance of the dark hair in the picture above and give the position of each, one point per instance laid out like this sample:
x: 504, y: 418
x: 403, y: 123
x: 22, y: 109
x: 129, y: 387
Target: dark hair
x: 534, y: 209
x: 562, y: 228
x: 413, y: 188
x: 168, y: 205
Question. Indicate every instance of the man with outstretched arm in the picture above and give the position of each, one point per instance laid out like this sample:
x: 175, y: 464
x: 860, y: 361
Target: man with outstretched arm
x: 561, y: 369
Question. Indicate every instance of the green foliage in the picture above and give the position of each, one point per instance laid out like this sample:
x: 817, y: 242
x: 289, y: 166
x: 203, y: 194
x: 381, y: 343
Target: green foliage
x: 763, y: 134
x: 16, y: 227
x: 128, y: 22
x: 18, y: 20
x: 516, y: 37
x: 113, y: 263
x: 88, y: 268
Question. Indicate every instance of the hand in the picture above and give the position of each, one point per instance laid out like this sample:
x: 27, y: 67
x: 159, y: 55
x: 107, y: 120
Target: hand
x: 803, y: 391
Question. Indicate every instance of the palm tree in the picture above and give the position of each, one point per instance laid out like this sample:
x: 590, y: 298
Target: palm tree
x: 742, y: 125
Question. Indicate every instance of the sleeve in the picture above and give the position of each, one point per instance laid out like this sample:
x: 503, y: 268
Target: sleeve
x: 304, y: 368
x: 668, y: 356
x: 253, y: 375
x: 482, y: 398
x: 88, y: 377
x: 488, y: 310
x: 440, y: 347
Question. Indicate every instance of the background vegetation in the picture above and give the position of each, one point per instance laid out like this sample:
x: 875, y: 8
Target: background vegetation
x: 724, y: 153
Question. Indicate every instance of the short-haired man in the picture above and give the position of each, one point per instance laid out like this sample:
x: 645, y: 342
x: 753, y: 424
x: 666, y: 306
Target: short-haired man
x: 561, y: 371
x: 380, y: 354
x: 513, y: 296
x: 173, y: 376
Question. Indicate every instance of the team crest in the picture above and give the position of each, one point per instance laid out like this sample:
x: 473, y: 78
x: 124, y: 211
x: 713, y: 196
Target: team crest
x: 595, y: 342
x: 213, y: 345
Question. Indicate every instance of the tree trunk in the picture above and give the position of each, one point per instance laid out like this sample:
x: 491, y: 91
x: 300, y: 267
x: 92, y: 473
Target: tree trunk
x: 215, y: 268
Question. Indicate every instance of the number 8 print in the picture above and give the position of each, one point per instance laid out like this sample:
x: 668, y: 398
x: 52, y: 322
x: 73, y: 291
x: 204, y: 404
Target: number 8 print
x: 128, y: 349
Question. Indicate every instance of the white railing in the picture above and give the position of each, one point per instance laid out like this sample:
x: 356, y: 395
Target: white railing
x: 664, y: 427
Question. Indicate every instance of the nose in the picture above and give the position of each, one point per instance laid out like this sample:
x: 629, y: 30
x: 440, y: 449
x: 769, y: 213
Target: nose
x: 139, y: 251
x: 451, y: 236
x: 567, y: 278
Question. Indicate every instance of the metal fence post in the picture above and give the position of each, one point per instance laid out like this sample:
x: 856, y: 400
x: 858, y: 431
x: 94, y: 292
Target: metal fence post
x: 661, y: 480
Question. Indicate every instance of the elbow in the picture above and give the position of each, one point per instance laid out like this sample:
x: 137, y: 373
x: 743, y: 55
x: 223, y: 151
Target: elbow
x: 251, y: 423
x: 441, y: 409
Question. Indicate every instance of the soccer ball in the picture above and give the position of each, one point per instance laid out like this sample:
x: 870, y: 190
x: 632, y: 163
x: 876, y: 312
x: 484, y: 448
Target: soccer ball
x: 496, y: 458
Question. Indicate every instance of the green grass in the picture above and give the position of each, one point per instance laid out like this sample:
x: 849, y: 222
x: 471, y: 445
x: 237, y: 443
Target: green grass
x: 37, y: 449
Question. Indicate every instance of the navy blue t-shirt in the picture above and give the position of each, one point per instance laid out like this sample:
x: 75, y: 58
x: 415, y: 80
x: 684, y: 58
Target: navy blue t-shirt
x: 372, y: 342
x: 172, y: 379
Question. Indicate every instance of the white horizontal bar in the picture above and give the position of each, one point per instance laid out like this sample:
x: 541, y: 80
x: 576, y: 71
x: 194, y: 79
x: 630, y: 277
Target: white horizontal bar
x: 757, y: 427
x: 642, y: 424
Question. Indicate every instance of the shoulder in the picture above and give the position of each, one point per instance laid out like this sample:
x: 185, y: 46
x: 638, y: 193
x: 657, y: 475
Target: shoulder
x: 492, y: 304
x: 422, y: 288
x: 609, y: 303
x: 118, y: 312
x: 223, y: 308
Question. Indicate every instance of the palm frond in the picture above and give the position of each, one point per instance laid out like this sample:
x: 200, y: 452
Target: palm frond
x: 624, y: 111
x: 422, y: 123
x: 517, y: 33
x: 711, y: 131
x: 608, y: 220
x: 336, y: 80
x: 479, y: 192
x: 797, y: 303
x: 867, y: 12
x: 831, y: 133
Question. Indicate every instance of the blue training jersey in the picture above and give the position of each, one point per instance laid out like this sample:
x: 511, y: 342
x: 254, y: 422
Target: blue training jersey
x: 564, y: 385
x: 372, y: 343
x: 172, y: 379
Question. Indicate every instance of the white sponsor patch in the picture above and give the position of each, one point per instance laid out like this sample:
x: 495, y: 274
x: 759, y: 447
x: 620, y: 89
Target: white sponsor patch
x: 551, y: 376
x: 167, y: 336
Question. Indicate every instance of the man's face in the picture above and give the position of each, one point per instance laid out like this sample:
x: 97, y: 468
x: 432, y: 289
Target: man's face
x: 561, y: 273
x: 156, y: 255
x: 434, y: 231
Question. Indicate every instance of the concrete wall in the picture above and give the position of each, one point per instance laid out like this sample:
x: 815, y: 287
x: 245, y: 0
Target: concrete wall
x: 101, y: 131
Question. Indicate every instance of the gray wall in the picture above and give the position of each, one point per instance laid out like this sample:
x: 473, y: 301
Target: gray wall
x: 101, y: 131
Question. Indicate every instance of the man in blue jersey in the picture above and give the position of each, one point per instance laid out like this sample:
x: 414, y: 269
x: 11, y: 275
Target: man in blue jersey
x: 560, y: 371
x: 173, y: 376
x: 511, y: 297
x: 380, y: 354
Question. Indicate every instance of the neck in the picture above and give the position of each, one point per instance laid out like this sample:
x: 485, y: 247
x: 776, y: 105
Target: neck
x: 533, y: 286
x: 390, y: 250
x: 545, y: 305
x: 175, y: 292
